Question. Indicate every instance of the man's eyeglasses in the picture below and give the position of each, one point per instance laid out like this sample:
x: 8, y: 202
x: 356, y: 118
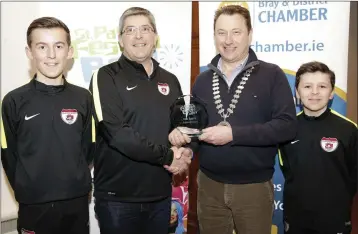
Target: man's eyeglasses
x: 145, y: 29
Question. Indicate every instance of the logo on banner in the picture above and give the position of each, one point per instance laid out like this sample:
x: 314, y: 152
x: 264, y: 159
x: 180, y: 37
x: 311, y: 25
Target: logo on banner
x: 170, y: 56
x: 94, y: 47
x: 69, y: 116
x: 98, y: 46
x: 329, y: 144
x: 163, y: 88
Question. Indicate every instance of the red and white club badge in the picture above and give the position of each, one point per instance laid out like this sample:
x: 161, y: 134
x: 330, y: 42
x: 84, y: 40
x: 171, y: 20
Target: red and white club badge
x: 69, y: 116
x: 163, y: 88
x: 329, y: 144
x: 24, y: 231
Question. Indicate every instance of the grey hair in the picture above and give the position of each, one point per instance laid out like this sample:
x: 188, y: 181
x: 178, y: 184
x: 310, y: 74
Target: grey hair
x: 137, y: 11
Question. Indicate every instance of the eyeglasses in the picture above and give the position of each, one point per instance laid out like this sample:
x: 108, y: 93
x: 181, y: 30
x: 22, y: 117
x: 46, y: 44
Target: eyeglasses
x: 145, y: 29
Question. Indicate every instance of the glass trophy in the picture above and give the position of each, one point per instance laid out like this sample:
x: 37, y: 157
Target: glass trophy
x: 188, y: 114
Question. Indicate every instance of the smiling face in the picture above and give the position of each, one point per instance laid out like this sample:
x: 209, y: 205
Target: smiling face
x: 49, y: 51
x: 138, y: 39
x: 232, y: 37
x: 315, y: 91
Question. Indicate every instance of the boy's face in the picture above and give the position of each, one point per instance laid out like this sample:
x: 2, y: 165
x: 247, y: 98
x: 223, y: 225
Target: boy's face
x: 315, y: 91
x: 49, y: 51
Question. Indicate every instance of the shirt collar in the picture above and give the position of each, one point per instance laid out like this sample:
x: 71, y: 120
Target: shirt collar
x: 50, y: 89
x: 239, y: 67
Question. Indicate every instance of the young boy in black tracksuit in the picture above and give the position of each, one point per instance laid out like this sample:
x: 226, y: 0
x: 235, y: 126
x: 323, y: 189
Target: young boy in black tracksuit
x: 320, y: 164
x: 47, y: 137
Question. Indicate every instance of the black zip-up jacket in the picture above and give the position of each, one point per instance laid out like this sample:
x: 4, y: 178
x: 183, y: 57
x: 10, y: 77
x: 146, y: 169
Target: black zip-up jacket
x: 320, y: 170
x: 263, y: 117
x: 47, y: 141
x: 133, y: 116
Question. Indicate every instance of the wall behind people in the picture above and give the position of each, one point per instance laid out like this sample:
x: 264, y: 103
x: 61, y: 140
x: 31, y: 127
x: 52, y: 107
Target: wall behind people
x: 289, y: 34
x: 14, y: 72
x: 94, y: 30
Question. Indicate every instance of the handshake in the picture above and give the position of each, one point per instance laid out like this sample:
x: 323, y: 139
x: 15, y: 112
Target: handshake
x: 182, y: 156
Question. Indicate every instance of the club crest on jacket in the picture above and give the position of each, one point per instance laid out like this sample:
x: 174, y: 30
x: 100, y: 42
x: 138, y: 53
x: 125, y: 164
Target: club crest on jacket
x: 329, y: 144
x: 163, y: 88
x: 69, y: 116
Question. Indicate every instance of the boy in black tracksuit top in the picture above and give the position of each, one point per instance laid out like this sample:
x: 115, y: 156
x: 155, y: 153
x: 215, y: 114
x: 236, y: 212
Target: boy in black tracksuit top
x: 46, y: 138
x: 320, y: 164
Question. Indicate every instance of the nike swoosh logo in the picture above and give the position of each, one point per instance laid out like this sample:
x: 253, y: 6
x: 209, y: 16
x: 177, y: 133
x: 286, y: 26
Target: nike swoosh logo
x: 30, y: 117
x: 130, y: 88
x: 293, y: 142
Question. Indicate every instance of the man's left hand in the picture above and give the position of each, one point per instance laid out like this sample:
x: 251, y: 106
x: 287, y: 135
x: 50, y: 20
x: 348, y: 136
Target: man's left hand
x: 217, y: 135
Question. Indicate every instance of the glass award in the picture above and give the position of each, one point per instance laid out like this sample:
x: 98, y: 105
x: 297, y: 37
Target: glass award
x: 189, y: 115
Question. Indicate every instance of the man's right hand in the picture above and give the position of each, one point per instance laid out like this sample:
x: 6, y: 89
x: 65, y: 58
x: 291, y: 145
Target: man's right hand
x: 177, y: 138
x: 181, y: 160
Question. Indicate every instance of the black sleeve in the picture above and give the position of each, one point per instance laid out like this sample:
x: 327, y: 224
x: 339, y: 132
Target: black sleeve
x: 119, y: 135
x: 89, y: 132
x: 283, y: 125
x: 282, y: 159
x: 353, y: 158
x: 9, y: 154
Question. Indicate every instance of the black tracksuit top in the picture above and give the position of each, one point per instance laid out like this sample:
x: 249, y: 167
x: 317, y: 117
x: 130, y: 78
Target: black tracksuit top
x: 133, y: 117
x: 47, y: 141
x: 320, y: 169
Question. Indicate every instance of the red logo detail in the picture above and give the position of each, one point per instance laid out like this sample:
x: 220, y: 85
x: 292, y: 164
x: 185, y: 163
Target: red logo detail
x: 329, y: 144
x: 163, y: 88
x: 69, y: 116
x: 24, y: 231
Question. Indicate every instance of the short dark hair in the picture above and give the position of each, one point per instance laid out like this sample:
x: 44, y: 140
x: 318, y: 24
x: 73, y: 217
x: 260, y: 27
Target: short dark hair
x: 137, y: 11
x: 232, y: 10
x: 313, y: 67
x: 47, y: 22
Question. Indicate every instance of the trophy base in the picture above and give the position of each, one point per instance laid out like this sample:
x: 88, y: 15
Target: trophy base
x: 195, y: 135
x: 191, y: 132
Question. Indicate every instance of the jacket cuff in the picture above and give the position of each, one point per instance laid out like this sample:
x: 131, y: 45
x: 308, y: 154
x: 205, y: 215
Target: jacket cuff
x: 168, y: 158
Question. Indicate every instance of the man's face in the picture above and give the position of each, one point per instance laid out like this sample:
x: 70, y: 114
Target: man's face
x: 232, y: 38
x: 315, y: 91
x: 49, y: 51
x: 138, y: 39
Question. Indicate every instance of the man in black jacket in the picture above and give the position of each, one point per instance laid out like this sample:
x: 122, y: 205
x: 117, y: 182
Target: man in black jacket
x: 320, y: 164
x: 132, y: 99
x: 251, y: 111
x: 47, y: 138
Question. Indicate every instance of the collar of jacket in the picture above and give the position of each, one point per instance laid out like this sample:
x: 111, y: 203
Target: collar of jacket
x: 317, y: 118
x: 251, y: 61
x: 137, y: 67
x: 50, y: 89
